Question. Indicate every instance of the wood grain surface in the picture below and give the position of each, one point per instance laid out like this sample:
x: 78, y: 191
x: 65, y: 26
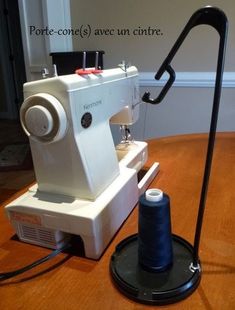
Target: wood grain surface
x: 72, y: 282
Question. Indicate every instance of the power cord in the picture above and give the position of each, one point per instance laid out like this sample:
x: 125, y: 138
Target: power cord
x: 10, y: 274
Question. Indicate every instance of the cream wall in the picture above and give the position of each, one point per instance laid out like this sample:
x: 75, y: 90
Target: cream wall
x: 198, y: 52
x: 187, y: 106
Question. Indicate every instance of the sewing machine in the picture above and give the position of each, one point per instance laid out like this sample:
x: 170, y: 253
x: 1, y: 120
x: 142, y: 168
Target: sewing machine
x: 85, y: 186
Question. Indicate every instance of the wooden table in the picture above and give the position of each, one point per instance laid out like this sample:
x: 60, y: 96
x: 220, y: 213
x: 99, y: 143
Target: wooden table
x: 71, y: 282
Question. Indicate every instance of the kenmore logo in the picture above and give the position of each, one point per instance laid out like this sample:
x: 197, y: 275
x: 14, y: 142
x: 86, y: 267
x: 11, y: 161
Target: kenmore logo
x: 92, y: 105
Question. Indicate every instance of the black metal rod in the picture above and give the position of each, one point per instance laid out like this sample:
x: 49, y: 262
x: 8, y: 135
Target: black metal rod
x: 217, y: 19
x: 210, y: 148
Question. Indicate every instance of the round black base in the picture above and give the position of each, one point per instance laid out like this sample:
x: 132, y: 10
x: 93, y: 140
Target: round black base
x: 160, y: 288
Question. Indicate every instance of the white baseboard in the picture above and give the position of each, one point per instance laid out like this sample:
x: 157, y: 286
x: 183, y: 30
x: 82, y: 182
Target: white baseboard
x: 188, y: 79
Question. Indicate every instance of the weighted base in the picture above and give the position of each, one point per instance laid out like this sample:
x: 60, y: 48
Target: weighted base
x: 169, y: 286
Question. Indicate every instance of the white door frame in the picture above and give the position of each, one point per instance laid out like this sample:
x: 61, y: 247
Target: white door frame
x: 53, y: 14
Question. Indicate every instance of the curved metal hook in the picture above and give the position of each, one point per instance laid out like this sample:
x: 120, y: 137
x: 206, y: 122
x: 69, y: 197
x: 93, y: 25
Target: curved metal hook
x: 207, y: 16
x: 146, y: 96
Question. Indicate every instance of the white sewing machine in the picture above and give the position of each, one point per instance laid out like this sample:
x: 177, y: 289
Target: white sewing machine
x: 85, y: 186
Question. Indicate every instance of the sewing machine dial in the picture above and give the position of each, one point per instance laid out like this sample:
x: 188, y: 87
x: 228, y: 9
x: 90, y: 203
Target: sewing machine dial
x: 39, y: 121
x: 43, y: 118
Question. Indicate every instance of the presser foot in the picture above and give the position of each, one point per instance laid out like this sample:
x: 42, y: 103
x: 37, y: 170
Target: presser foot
x: 126, y: 137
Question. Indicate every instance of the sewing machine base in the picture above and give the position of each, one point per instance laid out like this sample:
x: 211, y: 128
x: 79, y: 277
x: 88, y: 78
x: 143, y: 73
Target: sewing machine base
x: 50, y: 220
x: 40, y: 218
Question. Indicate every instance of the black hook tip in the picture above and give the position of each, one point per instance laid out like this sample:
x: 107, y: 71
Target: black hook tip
x: 146, y: 97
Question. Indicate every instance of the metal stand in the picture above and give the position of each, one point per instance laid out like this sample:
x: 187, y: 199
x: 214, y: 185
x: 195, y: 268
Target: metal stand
x: 183, y: 277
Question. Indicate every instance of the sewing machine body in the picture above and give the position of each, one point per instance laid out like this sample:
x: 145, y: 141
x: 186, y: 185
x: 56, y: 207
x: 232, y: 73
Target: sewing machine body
x: 86, y: 162
x: 84, y: 186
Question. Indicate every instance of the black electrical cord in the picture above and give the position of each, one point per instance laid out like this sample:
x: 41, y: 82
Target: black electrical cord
x: 10, y: 274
